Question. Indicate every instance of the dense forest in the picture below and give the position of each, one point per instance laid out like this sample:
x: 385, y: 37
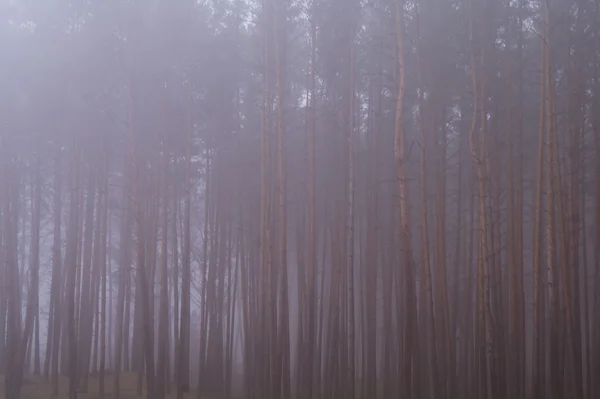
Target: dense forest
x: 301, y: 198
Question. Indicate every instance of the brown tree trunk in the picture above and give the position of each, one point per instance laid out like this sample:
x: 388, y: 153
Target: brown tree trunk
x: 105, y: 261
x: 283, y: 352
x: 71, y: 264
x: 32, y: 293
x: 163, y: 321
x: 85, y: 310
x: 410, y: 339
x: 184, y: 332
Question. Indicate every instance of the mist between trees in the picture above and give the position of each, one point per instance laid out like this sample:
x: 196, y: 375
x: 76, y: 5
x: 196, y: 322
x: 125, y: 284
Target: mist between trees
x: 301, y: 198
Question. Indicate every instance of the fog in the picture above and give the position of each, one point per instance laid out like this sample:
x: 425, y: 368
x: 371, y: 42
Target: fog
x: 300, y: 199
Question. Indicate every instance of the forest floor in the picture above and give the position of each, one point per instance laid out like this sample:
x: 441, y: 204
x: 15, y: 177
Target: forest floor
x: 36, y: 388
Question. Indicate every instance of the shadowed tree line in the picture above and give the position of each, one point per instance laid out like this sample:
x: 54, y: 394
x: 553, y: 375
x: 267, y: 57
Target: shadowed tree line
x: 301, y: 198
